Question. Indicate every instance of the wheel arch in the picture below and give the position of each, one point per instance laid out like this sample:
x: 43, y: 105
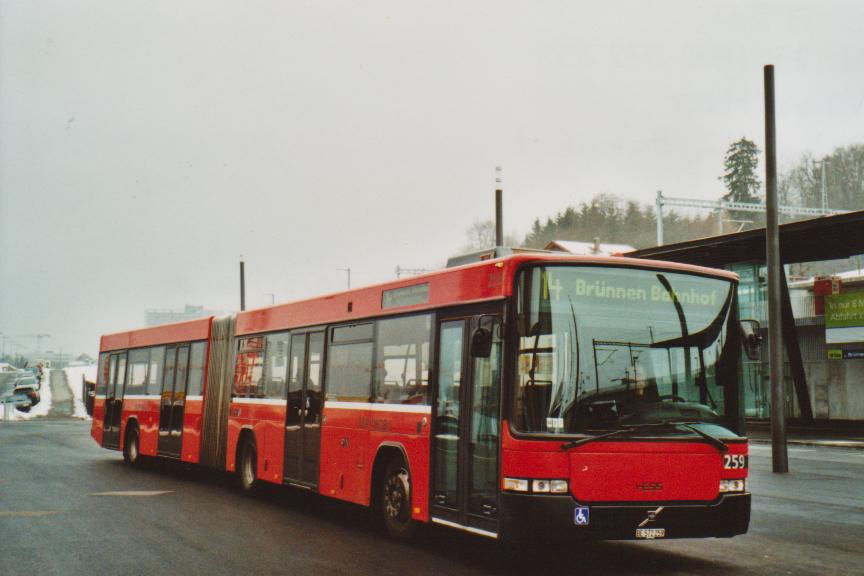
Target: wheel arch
x: 246, y: 434
x: 386, y: 452
x: 131, y: 423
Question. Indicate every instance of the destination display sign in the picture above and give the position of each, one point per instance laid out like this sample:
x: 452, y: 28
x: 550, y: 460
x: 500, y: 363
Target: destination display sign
x: 407, y: 296
x: 617, y: 285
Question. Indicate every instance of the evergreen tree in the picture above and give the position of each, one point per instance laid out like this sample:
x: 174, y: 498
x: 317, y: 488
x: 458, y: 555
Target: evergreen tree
x: 740, y: 172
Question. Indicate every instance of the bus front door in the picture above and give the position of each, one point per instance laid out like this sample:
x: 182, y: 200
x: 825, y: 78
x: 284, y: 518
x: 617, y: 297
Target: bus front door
x: 172, y: 405
x: 114, y: 401
x: 304, y: 410
x: 466, y: 428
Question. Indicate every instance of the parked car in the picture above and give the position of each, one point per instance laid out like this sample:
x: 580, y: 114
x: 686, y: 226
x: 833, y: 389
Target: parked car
x: 27, y: 387
x: 36, y: 372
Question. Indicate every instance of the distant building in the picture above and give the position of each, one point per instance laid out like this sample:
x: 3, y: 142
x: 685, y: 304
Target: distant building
x: 595, y: 248
x: 189, y: 312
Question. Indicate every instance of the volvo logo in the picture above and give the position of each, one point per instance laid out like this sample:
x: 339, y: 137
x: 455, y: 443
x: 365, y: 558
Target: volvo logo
x: 652, y: 516
x: 649, y: 486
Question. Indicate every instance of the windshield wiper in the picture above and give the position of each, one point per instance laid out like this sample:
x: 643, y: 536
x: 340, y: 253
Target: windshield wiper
x: 574, y: 443
x: 713, y: 440
x: 630, y: 428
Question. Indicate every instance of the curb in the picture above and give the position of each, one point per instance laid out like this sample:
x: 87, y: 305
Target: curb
x: 849, y: 444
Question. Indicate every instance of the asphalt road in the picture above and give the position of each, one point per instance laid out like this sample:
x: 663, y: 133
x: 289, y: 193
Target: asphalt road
x: 68, y: 507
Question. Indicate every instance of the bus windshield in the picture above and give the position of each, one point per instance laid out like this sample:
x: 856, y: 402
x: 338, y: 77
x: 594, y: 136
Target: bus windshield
x: 602, y: 348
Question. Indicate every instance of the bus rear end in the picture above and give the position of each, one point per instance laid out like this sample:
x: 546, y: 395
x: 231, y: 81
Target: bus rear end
x: 624, y: 413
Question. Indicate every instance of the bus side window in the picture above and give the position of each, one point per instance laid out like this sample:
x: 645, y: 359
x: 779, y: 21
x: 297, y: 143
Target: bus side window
x: 138, y: 363
x: 402, y: 360
x: 276, y: 365
x: 154, y: 375
x: 103, y: 376
x: 197, y: 359
x: 249, y: 368
x: 349, y: 363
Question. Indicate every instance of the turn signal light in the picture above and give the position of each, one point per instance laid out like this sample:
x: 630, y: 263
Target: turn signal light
x: 537, y: 486
x: 516, y: 484
x: 733, y: 485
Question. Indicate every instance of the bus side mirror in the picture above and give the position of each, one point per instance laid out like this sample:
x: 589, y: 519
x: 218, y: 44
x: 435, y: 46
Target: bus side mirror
x: 481, y: 343
x: 750, y: 338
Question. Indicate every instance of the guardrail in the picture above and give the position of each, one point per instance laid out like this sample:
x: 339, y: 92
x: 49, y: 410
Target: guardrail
x: 10, y: 403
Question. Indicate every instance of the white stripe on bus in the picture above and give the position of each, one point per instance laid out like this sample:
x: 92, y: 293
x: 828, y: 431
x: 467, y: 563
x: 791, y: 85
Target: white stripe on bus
x: 377, y: 407
x: 266, y: 401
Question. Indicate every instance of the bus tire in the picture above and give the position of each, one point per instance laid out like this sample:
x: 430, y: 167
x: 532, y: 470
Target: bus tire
x: 247, y: 467
x: 394, y: 501
x: 132, y: 447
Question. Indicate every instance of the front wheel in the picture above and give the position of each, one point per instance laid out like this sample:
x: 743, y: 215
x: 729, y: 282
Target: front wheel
x: 248, y: 468
x: 395, y: 501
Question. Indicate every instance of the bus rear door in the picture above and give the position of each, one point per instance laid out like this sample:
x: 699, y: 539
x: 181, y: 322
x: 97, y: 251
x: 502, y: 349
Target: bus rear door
x: 303, y: 413
x: 173, y: 401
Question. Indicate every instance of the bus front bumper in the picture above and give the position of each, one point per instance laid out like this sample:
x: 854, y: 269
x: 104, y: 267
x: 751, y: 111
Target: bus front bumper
x: 528, y: 516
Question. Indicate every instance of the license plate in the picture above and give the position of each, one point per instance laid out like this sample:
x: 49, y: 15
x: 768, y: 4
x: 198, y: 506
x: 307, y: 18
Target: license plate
x: 650, y: 533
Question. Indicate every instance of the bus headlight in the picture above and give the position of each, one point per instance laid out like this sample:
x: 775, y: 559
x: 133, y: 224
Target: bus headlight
x: 733, y: 485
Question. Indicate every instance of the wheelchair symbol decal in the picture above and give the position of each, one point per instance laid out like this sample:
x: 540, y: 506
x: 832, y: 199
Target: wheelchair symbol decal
x: 580, y: 516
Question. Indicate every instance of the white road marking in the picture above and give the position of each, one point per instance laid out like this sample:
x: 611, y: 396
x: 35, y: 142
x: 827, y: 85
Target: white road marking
x: 133, y: 493
x: 27, y: 513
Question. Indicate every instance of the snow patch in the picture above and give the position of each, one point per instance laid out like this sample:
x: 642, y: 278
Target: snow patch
x: 74, y: 377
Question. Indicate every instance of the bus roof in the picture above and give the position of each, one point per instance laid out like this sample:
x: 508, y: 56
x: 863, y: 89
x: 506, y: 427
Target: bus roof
x: 165, y: 334
x: 483, y: 281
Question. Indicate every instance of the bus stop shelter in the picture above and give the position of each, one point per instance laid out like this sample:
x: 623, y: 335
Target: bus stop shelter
x: 819, y: 239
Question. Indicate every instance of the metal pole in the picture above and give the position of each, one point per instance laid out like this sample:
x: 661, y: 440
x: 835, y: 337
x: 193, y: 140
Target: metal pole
x: 659, y: 215
x: 348, y: 270
x: 775, y: 268
x: 499, y: 222
x: 242, y: 286
x: 824, y: 186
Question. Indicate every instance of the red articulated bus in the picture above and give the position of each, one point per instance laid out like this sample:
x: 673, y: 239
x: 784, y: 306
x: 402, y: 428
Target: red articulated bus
x: 523, y: 396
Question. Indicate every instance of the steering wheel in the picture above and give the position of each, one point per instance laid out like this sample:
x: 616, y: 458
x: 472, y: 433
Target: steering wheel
x: 672, y: 397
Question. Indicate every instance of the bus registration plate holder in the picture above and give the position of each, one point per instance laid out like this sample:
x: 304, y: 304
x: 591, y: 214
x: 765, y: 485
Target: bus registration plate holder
x: 650, y: 533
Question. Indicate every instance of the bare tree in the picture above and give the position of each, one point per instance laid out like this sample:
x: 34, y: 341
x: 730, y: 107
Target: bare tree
x: 481, y: 236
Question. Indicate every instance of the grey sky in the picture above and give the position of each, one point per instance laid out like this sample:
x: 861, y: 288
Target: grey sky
x: 145, y: 145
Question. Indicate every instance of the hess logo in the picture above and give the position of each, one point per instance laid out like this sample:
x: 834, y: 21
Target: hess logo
x: 649, y: 486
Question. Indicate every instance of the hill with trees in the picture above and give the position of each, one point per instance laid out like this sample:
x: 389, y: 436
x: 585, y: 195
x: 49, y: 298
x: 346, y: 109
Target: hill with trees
x: 617, y: 220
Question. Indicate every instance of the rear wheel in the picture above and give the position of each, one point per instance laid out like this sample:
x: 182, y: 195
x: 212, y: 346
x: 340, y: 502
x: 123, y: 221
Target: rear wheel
x: 248, y: 467
x: 394, y: 501
x: 132, y: 448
